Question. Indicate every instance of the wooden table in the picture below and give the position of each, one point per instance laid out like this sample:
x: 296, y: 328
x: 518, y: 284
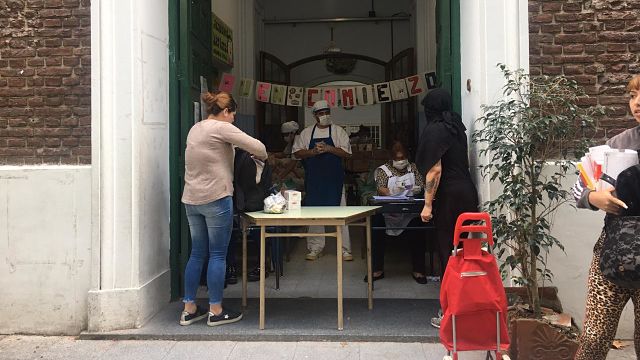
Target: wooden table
x: 337, y: 216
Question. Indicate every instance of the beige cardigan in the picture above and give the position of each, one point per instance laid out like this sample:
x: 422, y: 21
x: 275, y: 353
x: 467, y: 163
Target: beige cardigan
x: 209, y: 160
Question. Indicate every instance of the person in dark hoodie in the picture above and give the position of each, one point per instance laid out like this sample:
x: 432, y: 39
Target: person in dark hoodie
x: 444, y: 157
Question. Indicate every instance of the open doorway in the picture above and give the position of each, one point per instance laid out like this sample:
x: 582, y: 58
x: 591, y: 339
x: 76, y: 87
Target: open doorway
x: 289, y: 43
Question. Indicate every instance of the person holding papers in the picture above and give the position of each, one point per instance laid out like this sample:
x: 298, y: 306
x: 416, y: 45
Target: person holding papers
x: 322, y: 146
x: 398, y: 177
x: 606, y: 300
x: 443, y: 156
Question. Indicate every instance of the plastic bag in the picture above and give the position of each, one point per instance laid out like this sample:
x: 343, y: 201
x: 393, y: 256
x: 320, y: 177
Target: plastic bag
x: 275, y: 204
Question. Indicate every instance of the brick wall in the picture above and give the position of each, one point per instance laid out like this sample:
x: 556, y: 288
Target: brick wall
x: 596, y: 43
x: 45, y: 93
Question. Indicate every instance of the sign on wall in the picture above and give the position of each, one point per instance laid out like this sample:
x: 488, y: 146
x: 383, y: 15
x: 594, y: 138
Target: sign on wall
x: 222, y: 38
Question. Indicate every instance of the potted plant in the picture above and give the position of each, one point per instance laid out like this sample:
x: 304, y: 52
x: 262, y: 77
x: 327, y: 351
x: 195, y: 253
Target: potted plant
x: 528, y: 137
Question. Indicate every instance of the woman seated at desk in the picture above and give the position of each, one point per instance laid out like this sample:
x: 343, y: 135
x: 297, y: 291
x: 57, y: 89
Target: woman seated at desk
x: 398, y: 177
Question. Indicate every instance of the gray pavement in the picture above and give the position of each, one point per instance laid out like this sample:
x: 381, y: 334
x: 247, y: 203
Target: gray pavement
x: 21, y: 347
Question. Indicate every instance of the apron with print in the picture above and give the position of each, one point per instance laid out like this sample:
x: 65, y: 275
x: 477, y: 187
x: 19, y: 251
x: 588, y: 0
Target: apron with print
x: 323, y: 176
x: 405, y: 181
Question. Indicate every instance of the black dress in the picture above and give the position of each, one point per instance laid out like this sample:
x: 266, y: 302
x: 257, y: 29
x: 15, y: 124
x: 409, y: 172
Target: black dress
x: 444, y: 139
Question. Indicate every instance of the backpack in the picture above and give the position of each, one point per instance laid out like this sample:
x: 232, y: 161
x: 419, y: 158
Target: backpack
x: 620, y: 254
x: 247, y: 195
x: 628, y: 190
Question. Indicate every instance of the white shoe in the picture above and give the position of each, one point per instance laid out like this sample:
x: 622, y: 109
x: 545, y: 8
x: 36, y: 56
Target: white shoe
x: 313, y: 255
x: 346, y: 256
x: 435, y: 321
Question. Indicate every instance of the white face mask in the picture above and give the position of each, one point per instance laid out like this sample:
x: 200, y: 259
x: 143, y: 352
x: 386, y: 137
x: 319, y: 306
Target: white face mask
x: 324, y: 119
x: 400, y: 164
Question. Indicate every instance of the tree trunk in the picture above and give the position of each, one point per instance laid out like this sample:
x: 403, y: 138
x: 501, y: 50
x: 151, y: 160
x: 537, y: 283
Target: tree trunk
x: 533, y: 284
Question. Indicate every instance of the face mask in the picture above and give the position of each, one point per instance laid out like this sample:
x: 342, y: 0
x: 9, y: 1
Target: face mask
x: 400, y: 164
x: 324, y: 119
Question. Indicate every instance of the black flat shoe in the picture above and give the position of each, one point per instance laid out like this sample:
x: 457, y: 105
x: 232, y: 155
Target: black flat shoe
x: 366, y: 278
x: 419, y: 279
x: 254, y: 275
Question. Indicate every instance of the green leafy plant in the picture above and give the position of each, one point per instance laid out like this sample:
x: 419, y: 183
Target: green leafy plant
x: 528, y: 138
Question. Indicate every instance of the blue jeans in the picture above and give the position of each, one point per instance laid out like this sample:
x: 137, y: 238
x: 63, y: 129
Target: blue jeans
x: 210, y: 226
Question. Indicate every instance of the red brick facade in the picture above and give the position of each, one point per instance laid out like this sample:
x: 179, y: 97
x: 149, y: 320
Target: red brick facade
x: 45, y: 78
x: 595, y: 42
x: 45, y: 68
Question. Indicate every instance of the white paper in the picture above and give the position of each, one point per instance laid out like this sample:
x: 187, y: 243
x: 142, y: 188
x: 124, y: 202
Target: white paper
x: 616, y: 161
x: 397, y: 197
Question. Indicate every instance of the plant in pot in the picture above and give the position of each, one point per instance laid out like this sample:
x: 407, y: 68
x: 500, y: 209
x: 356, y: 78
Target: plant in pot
x: 528, y: 137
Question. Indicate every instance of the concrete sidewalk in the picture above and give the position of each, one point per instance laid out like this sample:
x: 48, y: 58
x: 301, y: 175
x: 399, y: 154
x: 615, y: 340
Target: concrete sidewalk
x: 19, y: 347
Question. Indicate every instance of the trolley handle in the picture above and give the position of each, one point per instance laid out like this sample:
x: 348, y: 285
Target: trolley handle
x: 473, y: 245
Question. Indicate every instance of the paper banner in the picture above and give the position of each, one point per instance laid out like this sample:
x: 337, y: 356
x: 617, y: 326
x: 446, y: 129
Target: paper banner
x: 331, y: 95
x: 278, y: 94
x: 246, y: 88
x: 348, y: 97
x: 364, y: 94
x: 263, y: 91
x: 430, y: 80
x: 294, y: 95
x: 226, y: 83
x: 382, y: 92
x: 313, y: 95
x: 414, y: 85
x: 398, y: 89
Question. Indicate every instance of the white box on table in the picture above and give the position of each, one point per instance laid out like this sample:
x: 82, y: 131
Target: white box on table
x: 294, y: 199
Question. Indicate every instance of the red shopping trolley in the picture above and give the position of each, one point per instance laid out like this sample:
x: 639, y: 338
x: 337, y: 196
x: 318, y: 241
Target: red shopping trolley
x: 472, y: 297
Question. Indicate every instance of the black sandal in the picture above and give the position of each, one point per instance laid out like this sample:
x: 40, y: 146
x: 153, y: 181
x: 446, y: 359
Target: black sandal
x: 381, y: 276
x: 419, y: 279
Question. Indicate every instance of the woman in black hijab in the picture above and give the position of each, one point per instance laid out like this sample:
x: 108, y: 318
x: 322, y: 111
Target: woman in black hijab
x: 443, y: 156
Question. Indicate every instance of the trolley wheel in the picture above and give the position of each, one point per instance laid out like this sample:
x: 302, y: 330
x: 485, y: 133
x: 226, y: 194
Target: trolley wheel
x: 506, y: 357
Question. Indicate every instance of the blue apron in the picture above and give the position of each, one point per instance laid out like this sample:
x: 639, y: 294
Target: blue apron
x: 323, y: 176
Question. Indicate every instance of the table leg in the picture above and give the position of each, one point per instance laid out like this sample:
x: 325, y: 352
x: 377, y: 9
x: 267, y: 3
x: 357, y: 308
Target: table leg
x: 244, y: 263
x: 262, y: 270
x: 339, y: 260
x: 369, y: 272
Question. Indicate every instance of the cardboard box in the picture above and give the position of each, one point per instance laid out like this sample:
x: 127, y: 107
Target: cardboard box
x: 294, y: 199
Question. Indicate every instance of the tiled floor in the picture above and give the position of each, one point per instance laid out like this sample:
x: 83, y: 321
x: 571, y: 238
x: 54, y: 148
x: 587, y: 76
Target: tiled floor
x: 304, y: 307
x: 317, y: 279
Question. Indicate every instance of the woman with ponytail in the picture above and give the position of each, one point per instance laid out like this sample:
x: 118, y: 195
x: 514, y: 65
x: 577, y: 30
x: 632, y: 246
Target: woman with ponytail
x: 207, y: 196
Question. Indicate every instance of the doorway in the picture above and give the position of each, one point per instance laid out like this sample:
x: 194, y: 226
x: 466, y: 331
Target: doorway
x: 190, y: 49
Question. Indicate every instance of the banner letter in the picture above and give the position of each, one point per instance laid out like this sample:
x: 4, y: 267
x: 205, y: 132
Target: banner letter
x: 246, y: 87
x: 347, y: 97
x: 430, y: 80
x: 313, y: 95
x: 414, y: 86
x: 263, y: 91
x: 331, y: 95
x: 278, y: 93
x: 364, y: 94
x: 398, y: 89
x: 382, y: 92
x: 294, y: 95
x: 227, y: 82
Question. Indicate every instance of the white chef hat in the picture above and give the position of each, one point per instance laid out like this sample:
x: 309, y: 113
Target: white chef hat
x: 320, y: 105
x: 289, y: 127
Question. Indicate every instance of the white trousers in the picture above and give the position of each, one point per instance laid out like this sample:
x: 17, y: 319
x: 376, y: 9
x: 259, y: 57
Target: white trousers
x: 316, y: 243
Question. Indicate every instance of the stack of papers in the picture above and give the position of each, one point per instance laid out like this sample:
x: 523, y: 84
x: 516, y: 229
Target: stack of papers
x: 397, y: 197
x: 601, y: 166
